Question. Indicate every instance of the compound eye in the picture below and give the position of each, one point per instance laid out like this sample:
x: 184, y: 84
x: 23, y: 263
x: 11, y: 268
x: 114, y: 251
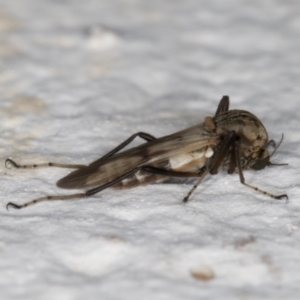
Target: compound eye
x: 261, y: 164
x: 263, y: 160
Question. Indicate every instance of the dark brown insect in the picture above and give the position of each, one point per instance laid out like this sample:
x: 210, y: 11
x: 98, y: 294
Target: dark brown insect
x: 234, y: 139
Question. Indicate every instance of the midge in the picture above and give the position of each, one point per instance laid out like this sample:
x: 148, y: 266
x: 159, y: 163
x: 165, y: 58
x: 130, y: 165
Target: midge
x: 234, y: 139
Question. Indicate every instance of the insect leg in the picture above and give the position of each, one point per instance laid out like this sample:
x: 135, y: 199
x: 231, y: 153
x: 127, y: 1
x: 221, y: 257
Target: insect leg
x: 46, y: 198
x: 186, y: 198
x: 143, y: 135
x: 82, y: 195
x: 171, y: 173
x: 216, y: 162
x: 146, y: 136
x: 72, y: 196
x: 147, y: 169
x: 10, y: 162
x: 242, y: 178
x: 232, y: 162
x: 223, y: 105
x: 221, y: 154
x: 96, y: 190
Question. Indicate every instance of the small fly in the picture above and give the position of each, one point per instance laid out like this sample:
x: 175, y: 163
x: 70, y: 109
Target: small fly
x: 232, y: 139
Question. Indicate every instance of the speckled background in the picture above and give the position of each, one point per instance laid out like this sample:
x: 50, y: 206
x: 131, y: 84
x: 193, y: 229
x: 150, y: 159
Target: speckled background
x: 79, y: 77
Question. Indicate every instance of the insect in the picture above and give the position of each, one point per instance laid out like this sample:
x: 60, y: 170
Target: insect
x: 232, y: 139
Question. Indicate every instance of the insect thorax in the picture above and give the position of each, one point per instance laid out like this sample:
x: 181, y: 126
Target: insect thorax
x: 250, y: 131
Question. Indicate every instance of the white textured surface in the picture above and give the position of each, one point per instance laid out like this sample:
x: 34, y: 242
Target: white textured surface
x: 77, y: 78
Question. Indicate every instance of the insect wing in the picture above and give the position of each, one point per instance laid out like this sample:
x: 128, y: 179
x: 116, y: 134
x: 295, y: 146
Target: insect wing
x: 154, y: 153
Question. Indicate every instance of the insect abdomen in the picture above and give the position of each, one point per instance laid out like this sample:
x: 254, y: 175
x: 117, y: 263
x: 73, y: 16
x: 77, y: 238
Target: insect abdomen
x: 140, y: 178
x: 191, y: 162
x: 186, y: 162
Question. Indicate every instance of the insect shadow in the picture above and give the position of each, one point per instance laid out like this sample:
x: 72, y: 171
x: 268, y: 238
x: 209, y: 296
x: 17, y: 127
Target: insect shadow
x: 232, y: 139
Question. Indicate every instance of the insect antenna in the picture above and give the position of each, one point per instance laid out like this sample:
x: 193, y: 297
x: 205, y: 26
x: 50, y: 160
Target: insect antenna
x: 273, y: 152
x: 276, y: 146
x: 272, y: 164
